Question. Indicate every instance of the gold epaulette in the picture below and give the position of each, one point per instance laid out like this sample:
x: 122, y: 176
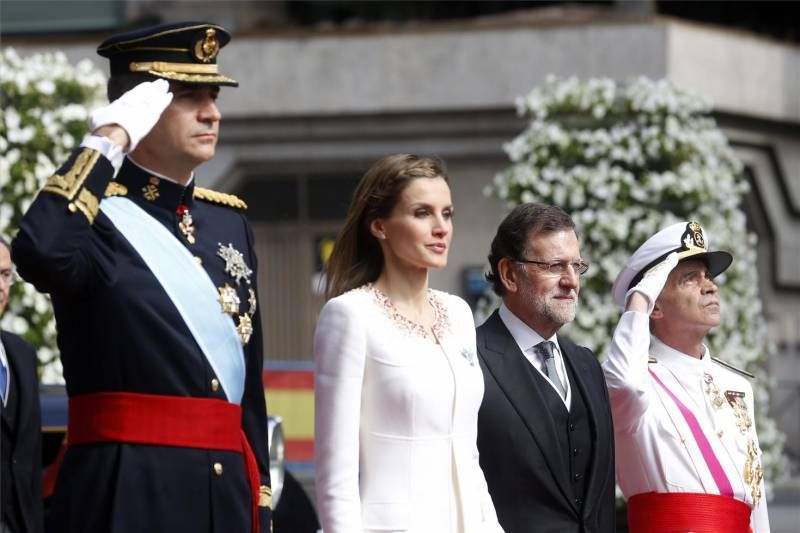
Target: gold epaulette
x: 651, y: 359
x: 735, y: 369
x: 221, y: 198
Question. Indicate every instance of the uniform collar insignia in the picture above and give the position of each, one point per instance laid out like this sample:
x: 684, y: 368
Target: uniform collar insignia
x: 152, y: 189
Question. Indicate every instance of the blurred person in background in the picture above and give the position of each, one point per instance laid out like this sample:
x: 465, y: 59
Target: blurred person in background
x: 20, y: 432
x: 397, y: 382
x: 688, y: 457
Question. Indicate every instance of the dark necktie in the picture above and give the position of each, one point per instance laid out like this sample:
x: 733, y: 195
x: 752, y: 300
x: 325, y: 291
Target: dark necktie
x: 3, y: 376
x: 545, y: 351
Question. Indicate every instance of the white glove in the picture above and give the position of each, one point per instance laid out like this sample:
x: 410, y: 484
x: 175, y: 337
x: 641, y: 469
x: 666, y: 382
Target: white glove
x: 653, y: 281
x: 136, y: 111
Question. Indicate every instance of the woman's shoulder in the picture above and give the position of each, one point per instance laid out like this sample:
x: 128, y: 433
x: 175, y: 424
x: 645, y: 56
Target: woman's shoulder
x: 452, y: 301
x: 352, y: 300
x: 454, y: 306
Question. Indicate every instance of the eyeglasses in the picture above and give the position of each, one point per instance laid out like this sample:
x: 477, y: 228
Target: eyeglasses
x: 9, y: 276
x: 558, y: 268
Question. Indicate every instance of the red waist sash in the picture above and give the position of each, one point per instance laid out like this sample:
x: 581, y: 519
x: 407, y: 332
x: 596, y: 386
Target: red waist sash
x: 163, y: 421
x: 681, y: 512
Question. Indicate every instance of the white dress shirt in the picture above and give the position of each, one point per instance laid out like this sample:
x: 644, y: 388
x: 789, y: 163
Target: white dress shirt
x: 396, y: 419
x: 655, y: 448
x: 526, y: 338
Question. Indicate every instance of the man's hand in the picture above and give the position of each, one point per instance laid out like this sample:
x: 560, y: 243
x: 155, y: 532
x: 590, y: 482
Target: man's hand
x: 651, y: 285
x: 136, y: 111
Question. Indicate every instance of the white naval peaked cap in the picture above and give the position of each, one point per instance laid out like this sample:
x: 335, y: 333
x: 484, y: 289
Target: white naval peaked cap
x: 686, y: 238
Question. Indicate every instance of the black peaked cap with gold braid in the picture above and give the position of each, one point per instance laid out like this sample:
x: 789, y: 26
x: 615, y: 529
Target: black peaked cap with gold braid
x: 183, y: 51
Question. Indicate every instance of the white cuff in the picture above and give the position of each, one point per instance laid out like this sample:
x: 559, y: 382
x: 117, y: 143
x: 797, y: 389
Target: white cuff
x: 113, y: 152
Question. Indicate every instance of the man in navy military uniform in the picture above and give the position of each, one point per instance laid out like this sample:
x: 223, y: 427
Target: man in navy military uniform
x: 153, y: 283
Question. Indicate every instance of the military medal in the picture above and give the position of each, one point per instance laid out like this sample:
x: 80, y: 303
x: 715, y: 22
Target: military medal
x: 712, y: 391
x: 245, y: 329
x: 229, y: 300
x: 234, y: 263
x: 752, y: 471
x: 185, y: 223
x: 252, y: 301
x: 736, y: 401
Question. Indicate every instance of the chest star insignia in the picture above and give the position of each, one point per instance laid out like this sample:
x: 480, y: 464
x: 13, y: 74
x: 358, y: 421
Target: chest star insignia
x: 235, y: 266
x: 229, y: 300
x: 244, y: 328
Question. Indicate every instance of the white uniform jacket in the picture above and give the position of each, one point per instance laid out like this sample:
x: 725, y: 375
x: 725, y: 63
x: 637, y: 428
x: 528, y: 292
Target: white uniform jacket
x: 396, y: 419
x: 656, y: 450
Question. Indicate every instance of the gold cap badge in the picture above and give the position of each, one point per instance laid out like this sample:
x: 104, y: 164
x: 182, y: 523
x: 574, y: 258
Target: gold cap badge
x: 207, y: 48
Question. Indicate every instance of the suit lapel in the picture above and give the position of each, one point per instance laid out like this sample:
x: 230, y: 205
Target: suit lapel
x: 504, y: 360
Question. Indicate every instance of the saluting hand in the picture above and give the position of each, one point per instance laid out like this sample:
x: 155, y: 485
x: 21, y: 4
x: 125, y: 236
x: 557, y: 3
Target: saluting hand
x: 136, y: 111
x: 651, y: 284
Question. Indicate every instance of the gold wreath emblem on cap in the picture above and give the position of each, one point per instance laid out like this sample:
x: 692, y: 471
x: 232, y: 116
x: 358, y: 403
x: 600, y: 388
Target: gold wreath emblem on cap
x: 693, y: 236
x: 207, y: 48
x: 697, y: 234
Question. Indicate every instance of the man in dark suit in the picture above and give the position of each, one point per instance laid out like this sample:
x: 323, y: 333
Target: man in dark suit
x: 153, y: 284
x: 20, y: 433
x: 544, y: 429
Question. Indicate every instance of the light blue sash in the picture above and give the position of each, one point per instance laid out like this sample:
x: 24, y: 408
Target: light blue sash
x: 188, y: 286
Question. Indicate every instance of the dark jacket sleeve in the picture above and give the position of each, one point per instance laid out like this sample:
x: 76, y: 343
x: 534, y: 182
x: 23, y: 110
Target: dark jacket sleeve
x: 62, y: 230
x: 254, y: 406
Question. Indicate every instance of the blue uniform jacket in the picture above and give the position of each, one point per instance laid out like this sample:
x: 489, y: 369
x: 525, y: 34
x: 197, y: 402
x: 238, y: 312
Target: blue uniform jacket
x: 118, y: 331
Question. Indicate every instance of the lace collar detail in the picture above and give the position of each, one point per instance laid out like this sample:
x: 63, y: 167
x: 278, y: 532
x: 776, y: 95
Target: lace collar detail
x: 441, y: 324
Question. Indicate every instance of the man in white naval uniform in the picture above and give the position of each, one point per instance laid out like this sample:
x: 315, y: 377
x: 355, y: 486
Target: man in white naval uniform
x: 688, y: 457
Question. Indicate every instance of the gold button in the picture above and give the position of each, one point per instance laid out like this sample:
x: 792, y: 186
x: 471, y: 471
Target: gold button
x: 215, y: 384
x: 218, y: 469
x: 196, y: 259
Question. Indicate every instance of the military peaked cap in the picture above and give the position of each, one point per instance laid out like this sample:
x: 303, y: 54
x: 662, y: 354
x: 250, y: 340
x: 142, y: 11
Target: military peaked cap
x: 183, y: 51
x: 685, y: 238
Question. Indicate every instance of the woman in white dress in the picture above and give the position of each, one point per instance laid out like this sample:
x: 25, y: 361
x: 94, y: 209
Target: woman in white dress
x: 397, y: 380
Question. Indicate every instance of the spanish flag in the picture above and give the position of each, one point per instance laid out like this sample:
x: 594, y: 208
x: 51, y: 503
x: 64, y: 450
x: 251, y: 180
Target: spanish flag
x: 290, y: 395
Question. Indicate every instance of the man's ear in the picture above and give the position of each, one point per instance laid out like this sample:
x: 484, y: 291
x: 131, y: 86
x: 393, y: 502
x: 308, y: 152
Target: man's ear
x: 507, y: 272
x: 657, y: 313
x: 378, y: 229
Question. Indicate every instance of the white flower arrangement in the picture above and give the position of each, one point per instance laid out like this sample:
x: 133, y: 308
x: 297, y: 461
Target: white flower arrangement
x: 626, y: 160
x: 46, y: 101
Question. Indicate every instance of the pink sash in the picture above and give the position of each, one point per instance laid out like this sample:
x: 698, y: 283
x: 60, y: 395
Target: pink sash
x: 722, y: 481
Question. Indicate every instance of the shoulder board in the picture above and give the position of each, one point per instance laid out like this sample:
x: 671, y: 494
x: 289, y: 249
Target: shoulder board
x: 651, y: 359
x: 221, y: 198
x: 731, y: 367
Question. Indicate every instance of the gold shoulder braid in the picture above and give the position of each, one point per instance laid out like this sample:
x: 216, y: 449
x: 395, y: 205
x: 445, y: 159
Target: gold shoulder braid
x: 71, y: 182
x: 731, y: 367
x: 215, y: 197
